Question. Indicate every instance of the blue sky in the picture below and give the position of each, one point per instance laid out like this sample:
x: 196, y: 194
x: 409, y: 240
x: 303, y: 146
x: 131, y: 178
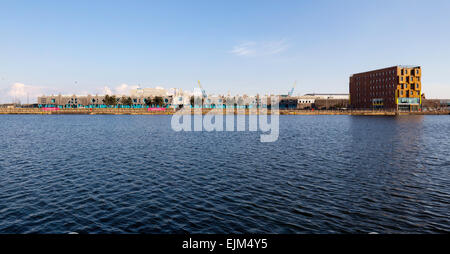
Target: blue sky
x: 238, y: 46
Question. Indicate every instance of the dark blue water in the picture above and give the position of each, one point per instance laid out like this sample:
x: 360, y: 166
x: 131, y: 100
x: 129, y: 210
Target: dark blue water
x: 133, y: 174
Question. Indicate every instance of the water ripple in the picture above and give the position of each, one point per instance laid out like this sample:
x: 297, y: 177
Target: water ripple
x: 133, y: 174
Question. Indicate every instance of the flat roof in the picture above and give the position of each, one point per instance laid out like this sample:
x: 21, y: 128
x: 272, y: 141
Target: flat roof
x: 408, y: 66
x: 327, y: 94
x: 396, y: 66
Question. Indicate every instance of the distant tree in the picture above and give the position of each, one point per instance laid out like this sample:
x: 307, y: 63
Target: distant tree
x: 127, y: 101
x: 159, y: 101
x: 106, y: 100
x: 149, y: 101
x: 114, y: 100
x: 193, y: 101
x: 110, y: 100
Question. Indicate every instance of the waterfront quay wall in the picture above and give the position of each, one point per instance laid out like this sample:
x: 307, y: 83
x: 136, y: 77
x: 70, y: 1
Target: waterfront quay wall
x: 111, y: 111
x: 37, y: 111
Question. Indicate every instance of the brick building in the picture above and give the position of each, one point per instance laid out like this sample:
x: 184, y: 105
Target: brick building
x: 397, y: 88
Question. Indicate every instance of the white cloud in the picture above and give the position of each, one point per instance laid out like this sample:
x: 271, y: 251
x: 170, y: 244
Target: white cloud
x: 17, y: 90
x: 107, y: 91
x: 22, y: 92
x: 252, y: 48
x: 124, y: 89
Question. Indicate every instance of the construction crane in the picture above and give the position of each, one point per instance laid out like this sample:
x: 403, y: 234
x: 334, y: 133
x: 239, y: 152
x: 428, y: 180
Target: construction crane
x: 292, y: 90
x: 203, y: 90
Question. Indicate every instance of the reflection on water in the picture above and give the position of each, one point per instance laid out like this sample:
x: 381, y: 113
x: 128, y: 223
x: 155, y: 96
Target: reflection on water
x: 133, y: 174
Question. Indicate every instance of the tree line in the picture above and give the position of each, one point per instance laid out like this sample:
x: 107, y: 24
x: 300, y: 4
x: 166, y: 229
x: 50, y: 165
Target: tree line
x: 128, y: 101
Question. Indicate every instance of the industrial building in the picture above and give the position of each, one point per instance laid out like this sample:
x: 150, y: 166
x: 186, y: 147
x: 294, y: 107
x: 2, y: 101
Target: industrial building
x: 435, y: 104
x: 396, y: 88
x: 328, y: 96
x: 91, y: 101
x: 315, y: 101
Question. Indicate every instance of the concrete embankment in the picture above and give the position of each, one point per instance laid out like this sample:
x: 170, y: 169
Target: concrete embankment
x: 361, y: 113
x: 36, y: 111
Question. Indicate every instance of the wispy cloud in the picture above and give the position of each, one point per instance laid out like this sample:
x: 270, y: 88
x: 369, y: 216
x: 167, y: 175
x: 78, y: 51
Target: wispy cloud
x: 244, y: 49
x: 264, y: 48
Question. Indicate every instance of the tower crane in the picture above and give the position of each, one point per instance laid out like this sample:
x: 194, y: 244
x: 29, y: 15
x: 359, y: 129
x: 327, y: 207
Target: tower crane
x: 292, y: 90
x: 203, y: 90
